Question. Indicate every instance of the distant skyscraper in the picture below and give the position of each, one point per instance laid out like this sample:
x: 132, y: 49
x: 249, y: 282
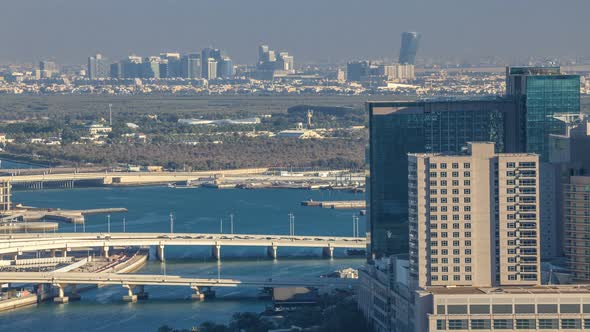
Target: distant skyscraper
x: 263, y: 53
x: 47, y: 69
x: 98, y: 67
x: 151, y: 67
x: 356, y: 70
x: 191, y: 66
x: 225, y: 68
x: 116, y: 70
x: 171, y: 66
x: 131, y: 66
x: 270, y: 65
x: 409, y: 49
x: 211, y: 72
x: 210, y: 53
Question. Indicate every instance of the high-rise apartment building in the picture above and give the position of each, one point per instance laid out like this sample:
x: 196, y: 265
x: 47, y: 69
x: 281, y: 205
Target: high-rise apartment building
x: 399, y: 128
x: 190, y: 66
x: 98, y: 67
x: 211, y: 72
x: 474, y: 218
x: 409, y: 48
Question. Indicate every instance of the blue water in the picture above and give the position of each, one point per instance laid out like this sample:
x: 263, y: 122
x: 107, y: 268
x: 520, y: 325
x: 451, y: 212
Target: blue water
x: 194, y: 210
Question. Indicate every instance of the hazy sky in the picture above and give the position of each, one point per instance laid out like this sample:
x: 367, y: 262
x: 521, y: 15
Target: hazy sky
x: 312, y: 30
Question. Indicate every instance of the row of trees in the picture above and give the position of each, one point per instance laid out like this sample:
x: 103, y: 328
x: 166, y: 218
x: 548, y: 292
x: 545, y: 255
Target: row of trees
x: 242, y: 153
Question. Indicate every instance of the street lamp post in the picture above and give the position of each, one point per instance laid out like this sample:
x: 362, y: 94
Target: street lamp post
x: 171, y: 223
x: 231, y: 222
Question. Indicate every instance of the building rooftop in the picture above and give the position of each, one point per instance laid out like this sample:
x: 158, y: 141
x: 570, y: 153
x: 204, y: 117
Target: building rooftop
x: 544, y: 289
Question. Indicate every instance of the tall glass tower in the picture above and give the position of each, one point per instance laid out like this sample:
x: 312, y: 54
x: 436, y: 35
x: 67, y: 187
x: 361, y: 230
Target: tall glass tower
x: 410, y: 44
x: 542, y: 93
x: 399, y: 128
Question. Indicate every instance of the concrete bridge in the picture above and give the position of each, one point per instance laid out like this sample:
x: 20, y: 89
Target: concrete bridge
x: 133, y: 281
x: 17, y: 244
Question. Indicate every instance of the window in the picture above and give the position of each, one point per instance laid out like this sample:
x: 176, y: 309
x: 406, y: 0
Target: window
x: 455, y: 183
x: 443, y: 165
x: 432, y: 165
x: 548, y: 324
x: 443, y: 174
x: 466, y: 174
x: 433, y: 183
x: 547, y: 308
x: 455, y: 174
x: 468, y: 277
x: 467, y: 200
x: 457, y: 309
x: 443, y: 191
x: 466, y: 165
x: 466, y: 191
x: 432, y: 174
x: 569, y: 308
x: 455, y: 191
x: 510, y: 165
x: 433, y: 191
x: 456, y: 278
x: 455, y: 200
x: 466, y: 182
x: 525, y: 324
x: 502, y: 309
x: 441, y: 324
x: 458, y: 324
x: 455, y: 165
x: 456, y: 261
x: 480, y: 324
x: 502, y: 324
x: 527, y: 164
x: 570, y: 323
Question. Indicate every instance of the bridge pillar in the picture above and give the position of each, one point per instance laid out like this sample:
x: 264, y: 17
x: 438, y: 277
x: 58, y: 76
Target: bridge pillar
x: 197, y: 295
x: 61, y: 298
x: 105, y: 251
x: 216, y: 251
x: 271, y: 251
x: 160, y: 253
x: 328, y: 252
x: 130, y: 297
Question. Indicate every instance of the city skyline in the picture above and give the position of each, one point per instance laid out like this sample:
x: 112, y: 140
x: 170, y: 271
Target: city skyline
x: 186, y: 26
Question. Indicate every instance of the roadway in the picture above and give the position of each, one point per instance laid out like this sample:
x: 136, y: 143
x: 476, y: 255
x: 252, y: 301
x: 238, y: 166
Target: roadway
x: 19, y: 243
x: 79, y: 278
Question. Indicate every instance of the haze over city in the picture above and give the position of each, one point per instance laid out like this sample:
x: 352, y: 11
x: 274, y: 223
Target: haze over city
x: 314, y: 31
x: 303, y: 166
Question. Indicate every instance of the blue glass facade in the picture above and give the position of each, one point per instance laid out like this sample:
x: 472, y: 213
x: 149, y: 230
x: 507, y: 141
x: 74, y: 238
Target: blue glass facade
x: 547, y: 96
x: 398, y: 128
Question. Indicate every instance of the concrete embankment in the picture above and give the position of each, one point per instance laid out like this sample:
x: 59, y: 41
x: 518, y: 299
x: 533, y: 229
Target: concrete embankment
x: 18, y: 302
x: 360, y: 204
